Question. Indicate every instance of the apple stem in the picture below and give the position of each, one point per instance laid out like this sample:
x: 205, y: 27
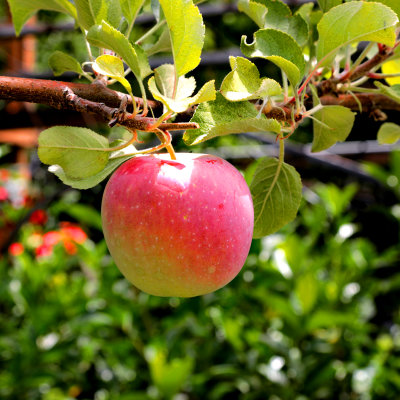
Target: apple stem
x: 171, y: 151
x: 166, y: 138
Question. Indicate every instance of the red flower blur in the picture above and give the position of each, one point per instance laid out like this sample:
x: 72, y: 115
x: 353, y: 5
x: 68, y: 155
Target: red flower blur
x: 69, y: 235
x: 70, y: 247
x: 44, y: 251
x: 38, y: 217
x: 73, y: 232
x: 16, y: 249
x: 4, y: 174
x: 51, y: 238
x: 3, y: 193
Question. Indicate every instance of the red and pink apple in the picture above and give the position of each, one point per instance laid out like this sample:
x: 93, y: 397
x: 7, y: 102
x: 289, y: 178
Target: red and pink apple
x: 178, y: 227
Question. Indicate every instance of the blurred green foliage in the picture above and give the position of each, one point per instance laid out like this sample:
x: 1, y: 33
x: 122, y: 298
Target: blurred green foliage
x: 301, y: 321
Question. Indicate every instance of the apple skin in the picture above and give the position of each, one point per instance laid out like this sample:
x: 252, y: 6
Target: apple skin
x: 178, y: 227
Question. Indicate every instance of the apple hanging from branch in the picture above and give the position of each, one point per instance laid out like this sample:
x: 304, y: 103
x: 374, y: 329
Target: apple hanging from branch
x: 178, y: 227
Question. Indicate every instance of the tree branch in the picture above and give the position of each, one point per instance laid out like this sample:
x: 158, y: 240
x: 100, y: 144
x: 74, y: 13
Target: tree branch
x: 48, y: 92
x: 93, y: 98
x: 383, y: 54
x: 369, y: 102
x: 104, y: 102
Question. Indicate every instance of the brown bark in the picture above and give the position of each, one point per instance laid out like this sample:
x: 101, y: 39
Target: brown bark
x: 368, y: 101
x: 51, y: 93
x: 104, y: 102
x: 92, y: 98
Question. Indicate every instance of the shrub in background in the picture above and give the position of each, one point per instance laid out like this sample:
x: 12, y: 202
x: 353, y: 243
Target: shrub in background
x: 301, y: 321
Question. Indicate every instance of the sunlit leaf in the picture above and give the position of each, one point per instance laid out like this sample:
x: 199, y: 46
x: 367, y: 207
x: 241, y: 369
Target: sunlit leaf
x: 380, y: 27
x: 106, y: 36
x: 92, y: 12
x: 280, y: 17
x: 256, y: 11
x: 279, y: 48
x: 393, y: 4
x: 187, y: 33
x: 389, y: 133
x: 131, y: 8
x: 244, y: 82
x: 162, y: 87
x: 222, y: 117
x: 112, y: 67
x: 22, y: 10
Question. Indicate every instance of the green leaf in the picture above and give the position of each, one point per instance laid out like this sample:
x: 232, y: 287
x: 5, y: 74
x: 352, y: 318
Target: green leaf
x: 307, y: 291
x: 358, y: 21
x: 187, y: 32
x: 85, y: 16
x: 115, y: 160
x: 389, y: 133
x: 276, y: 191
x: 296, y: 27
x: 77, y: 150
x: 130, y: 9
x: 390, y: 91
x: 106, y: 36
x: 163, y: 44
x: 329, y: 318
x: 337, y: 122
x: 169, y: 377
x: 280, y: 17
x: 61, y: 62
x: 244, y: 82
x: 22, y: 10
x: 393, y: 4
x: 305, y: 11
x: 256, y: 11
x: 165, y: 82
x: 106, y: 10
x: 162, y: 88
x: 112, y: 67
x: 279, y: 48
x: 326, y: 5
x: 93, y: 180
x: 222, y: 117
x: 92, y: 12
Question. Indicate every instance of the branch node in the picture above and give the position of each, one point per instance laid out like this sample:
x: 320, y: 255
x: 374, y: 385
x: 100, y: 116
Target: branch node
x: 119, y: 114
x: 69, y: 95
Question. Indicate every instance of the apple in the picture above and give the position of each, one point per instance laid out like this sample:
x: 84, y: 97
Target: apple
x: 178, y: 227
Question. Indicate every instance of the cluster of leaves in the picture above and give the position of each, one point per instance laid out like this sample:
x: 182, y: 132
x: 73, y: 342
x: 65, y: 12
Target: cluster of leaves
x: 304, y: 318
x: 308, y: 46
